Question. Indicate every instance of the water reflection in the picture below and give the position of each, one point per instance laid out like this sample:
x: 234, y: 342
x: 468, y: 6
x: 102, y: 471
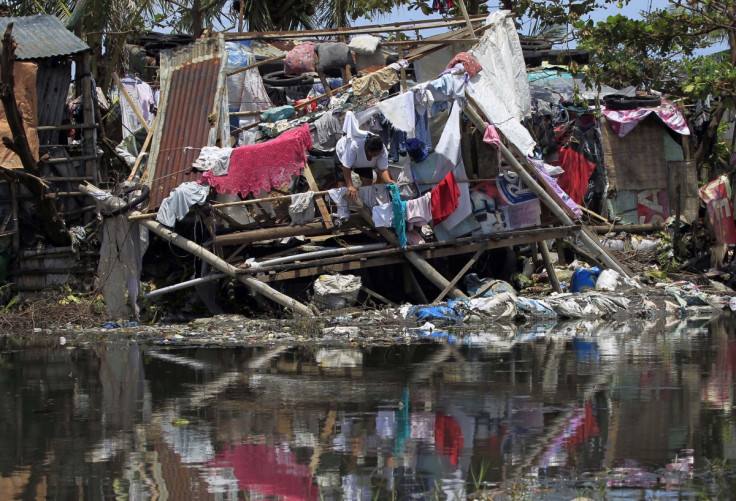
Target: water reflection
x: 427, y: 421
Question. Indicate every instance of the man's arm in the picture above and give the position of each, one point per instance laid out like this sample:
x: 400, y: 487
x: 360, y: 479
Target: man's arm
x: 385, y: 176
x: 348, y: 175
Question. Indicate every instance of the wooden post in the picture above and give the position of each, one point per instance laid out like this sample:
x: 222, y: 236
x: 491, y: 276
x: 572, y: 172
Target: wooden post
x: 560, y: 247
x: 207, y: 256
x: 459, y: 275
x: 131, y: 102
x: 320, y: 202
x: 550, y: 267
x: 464, y: 10
x: 89, y: 95
x: 402, y: 71
x: 14, y: 213
x: 325, y: 84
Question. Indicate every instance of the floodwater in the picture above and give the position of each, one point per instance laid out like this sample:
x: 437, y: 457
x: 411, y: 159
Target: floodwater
x: 597, y: 410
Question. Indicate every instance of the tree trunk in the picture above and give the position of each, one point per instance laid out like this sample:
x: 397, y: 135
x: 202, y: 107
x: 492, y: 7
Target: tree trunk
x: 197, y: 28
x: 31, y: 175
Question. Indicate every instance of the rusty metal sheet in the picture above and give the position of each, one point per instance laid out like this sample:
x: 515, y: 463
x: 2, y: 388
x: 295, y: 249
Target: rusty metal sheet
x: 42, y: 36
x: 192, y: 91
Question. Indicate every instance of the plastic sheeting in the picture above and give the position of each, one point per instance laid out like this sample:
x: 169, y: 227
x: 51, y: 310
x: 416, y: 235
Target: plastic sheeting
x: 502, y: 88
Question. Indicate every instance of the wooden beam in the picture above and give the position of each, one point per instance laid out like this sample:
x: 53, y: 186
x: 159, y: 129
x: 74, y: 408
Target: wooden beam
x: 89, y: 95
x: 550, y: 267
x: 458, y: 276
x: 378, y: 296
x: 393, y: 256
x: 326, y: 218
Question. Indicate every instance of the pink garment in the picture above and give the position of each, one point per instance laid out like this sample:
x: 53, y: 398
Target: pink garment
x: 624, y: 121
x: 263, y: 166
x: 419, y: 210
x: 491, y: 137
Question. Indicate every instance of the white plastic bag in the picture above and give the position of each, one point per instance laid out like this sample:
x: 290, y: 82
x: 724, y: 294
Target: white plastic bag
x: 336, y: 291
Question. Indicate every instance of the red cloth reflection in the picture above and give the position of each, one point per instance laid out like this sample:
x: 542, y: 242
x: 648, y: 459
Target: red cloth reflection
x: 267, y: 470
x: 448, y: 437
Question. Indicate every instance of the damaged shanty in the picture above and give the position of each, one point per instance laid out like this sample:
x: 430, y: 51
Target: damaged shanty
x: 255, y: 203
x: 42, y: 214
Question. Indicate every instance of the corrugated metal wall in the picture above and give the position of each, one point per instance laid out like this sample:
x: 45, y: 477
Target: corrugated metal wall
x: 192, y: 91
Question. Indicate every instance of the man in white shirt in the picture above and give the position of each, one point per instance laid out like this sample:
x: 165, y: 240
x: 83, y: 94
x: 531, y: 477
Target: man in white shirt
x: 361, y: 155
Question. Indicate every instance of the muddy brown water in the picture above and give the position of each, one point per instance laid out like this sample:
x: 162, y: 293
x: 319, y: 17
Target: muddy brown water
x: 587, y: 409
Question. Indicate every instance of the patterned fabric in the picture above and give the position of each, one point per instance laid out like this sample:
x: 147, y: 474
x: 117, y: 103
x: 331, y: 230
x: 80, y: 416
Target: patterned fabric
x: 471, y: 64
x: 623, y: 121
x: 300, y: 59
x: 263, y: 166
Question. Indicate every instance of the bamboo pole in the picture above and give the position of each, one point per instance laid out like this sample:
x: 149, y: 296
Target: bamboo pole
x: 358, y: 30
x: 252, y: 283
x: 464, y: 10
x: 550, y: 267
x: 141, y: 154
x: 459, y: 275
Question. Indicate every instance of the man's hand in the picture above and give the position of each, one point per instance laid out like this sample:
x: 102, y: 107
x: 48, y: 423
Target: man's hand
x: 352, y: 192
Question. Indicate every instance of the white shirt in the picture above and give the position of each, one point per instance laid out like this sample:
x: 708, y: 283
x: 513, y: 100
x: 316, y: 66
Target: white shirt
x: 351, y: 153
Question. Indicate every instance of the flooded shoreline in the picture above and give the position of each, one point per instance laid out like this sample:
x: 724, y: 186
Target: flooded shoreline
x: 616, y: 409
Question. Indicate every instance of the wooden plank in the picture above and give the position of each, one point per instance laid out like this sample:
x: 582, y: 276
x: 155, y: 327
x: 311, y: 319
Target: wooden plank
x: 325, y: 84
x: 326, y: 218
x: 378, y: 296
x: 354, y: 262
x: 90, y: 135
x: 141, y: 155
x: 458, y: 276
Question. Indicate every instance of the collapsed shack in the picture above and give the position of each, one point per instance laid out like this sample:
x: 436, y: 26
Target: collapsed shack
x: 62, y: 154
x: 224, y: 193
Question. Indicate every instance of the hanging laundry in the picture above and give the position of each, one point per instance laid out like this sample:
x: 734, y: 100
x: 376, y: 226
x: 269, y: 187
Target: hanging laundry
x: 328, y: 127
x: 142, y: 96
x: 491, y: 137
x: 574, y: 181
x: 383, y: 215
x: 416, y: 149
x: 399, y: 110
x: 375, y: 194
x: 419, y: 210
x: 423, y: 132
x: 351, y: 126
x: 375, y: 83
x: 337, y: 195
x: 444, y: 198
x: 471, y: 64
x: 264, y: 165
x: 182, y: 198
x: 301, y: 210
x: 443, y: 6
x: 300, y: 59
x: 399, y: 209
x: 212, y: 158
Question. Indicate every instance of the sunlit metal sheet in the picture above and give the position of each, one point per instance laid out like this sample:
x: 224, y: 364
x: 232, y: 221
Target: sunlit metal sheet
x: 42, y: 36
x: 192, y: 91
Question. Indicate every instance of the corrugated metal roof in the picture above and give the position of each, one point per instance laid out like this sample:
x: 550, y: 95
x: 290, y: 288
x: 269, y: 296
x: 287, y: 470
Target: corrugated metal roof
x: 192, y: 83
x: 42, y: 36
